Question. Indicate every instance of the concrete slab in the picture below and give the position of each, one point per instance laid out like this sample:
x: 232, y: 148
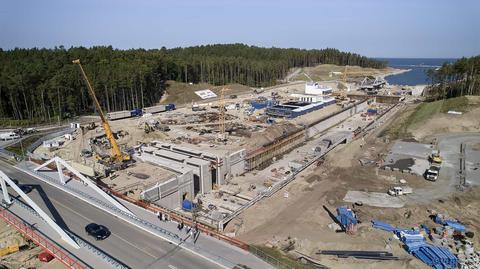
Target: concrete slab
x: 416, y: 150
x: 376, y: 199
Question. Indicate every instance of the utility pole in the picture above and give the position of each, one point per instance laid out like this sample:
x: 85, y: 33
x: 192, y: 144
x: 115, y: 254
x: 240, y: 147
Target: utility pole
x: 59, y: 107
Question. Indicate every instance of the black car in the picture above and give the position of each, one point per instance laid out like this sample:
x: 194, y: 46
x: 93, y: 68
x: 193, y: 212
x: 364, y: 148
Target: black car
x: 98, y: 231
x: 26, y: 188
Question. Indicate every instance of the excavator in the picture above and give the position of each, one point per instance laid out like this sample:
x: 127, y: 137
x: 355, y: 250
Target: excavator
x: 117, y: 156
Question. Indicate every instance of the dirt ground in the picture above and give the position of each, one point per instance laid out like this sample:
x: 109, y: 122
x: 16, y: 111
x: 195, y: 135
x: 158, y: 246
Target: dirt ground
x: 183, y: 93
x: 27, y: 256
x: 301, y: 215
x: 323, y: 72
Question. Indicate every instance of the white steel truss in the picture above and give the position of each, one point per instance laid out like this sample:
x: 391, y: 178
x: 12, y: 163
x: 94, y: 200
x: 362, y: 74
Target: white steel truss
x: 6, y: 197
x: 60, y: 163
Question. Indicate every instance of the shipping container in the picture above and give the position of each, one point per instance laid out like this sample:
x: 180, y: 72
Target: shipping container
x: 119, y: 115
x: 154, y: 109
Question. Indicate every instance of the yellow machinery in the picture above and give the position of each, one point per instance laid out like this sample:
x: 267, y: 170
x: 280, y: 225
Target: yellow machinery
x: 9, y: 250
x: 117, y: 155
x: 342, y: 94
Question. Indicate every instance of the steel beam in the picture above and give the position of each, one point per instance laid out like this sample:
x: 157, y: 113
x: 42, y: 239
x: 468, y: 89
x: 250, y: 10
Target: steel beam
x: 32, y: 204
x: 60, y: 162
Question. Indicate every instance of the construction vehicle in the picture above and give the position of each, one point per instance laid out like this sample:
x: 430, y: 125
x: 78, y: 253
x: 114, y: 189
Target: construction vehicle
x: 117, y: 156
x: 9, y: 250
x: 435, y: 157
x: 148, y: 128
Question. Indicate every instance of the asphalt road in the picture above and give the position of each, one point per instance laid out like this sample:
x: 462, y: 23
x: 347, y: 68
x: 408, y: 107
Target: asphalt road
x: 131, y: 246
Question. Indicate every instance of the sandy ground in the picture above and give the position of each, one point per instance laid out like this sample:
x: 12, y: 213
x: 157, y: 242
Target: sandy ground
x: 26, y: 258
x: 302, y: 217
x: 446, y: 123
x: 334, y: 72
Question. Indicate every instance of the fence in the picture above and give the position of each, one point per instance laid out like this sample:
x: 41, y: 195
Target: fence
x: 39, y: 240
x: 269, y: 259
x: 37, y: 143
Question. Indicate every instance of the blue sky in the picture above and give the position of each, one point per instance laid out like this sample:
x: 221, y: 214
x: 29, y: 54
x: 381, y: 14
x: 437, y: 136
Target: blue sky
x: 376, y: 28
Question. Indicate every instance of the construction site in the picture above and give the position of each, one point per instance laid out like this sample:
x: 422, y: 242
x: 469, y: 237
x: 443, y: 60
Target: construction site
x: 271, y: 166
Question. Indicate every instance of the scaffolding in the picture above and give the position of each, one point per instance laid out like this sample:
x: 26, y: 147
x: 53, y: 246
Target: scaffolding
x: 262, y: 155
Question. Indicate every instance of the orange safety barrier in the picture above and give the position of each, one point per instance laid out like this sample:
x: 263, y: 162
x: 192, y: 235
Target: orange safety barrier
x: 39, y: 240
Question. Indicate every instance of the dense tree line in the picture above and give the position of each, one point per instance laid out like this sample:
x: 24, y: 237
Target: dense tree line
x: 42, y: 84
x: 456, y: 79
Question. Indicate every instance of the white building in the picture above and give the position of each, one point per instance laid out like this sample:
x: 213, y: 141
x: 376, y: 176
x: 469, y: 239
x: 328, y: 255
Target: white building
x: 315, y: 93
x: 317, y: 89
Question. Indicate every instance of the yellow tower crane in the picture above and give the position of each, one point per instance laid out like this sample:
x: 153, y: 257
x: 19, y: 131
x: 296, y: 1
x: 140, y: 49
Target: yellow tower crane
x: 221, y: 116
x: 117, y: 155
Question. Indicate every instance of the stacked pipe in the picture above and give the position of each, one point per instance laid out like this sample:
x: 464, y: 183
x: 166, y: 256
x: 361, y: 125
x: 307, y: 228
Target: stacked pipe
x: 369, y: 255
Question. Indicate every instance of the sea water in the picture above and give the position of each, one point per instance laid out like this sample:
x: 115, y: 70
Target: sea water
x: 418, y: 69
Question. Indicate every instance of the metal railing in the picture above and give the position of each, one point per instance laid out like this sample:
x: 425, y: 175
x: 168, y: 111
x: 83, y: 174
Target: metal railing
x: 269, y: 259
x: 37, y: 143
x: 132, y: 217
x: 39, y: 240
x: 112, y: 261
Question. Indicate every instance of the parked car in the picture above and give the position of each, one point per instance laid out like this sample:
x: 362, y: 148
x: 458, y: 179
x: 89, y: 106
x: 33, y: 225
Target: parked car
x: 26, y: 188
x: 99, y: 232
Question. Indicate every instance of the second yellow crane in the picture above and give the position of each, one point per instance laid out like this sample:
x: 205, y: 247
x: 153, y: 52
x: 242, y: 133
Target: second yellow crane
x: 117, y: 154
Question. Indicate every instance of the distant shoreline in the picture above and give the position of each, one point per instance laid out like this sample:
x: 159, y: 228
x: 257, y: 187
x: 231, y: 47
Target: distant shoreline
x: 395, y: 71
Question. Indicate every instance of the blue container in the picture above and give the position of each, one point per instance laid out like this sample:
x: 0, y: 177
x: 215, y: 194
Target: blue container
x: 170, y: 107
x: 187, y: 205
x: 136, y: 112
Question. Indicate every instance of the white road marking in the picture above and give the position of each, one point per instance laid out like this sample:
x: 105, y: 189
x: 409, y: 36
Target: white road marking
x: 171, y: 266
x: 113, y: 234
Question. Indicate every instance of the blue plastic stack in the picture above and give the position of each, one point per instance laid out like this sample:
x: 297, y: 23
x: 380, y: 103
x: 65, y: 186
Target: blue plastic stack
x: 346, y: 216
x: 415, y: 244
x: 382, y: 226
x: 457, y: 226
x: 436, y: 257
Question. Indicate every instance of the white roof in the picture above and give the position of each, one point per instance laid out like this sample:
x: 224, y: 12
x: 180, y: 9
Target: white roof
x: 205, y: 94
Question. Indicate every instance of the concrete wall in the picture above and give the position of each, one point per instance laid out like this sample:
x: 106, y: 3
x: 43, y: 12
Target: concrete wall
x: 335, y: 119
x: 236, y: 162
x: 170, y: 193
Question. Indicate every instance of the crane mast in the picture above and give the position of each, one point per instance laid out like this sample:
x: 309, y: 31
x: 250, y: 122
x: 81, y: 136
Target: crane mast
x: 117, y: 155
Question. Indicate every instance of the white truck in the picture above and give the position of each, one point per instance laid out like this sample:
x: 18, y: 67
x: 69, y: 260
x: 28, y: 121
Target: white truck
x: 8, y: 136
x: 399, y: 190
x: 432, y: 172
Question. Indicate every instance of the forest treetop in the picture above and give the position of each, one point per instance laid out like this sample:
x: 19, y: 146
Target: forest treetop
x: 40, y: 84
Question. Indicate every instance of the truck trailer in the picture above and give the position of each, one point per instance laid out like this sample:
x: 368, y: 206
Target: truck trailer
x: 119, y: 115
x: 154, y: 109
